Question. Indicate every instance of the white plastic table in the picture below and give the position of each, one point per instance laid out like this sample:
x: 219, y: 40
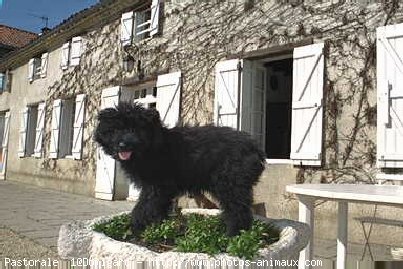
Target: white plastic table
x: 343, y: 194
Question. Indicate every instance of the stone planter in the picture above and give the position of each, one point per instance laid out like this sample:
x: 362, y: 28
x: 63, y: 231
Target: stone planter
x: 78, y: 242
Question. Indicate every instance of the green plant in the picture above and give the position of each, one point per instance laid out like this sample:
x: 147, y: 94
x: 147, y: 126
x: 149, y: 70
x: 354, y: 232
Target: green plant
x: 247, y: 244
x: 203, y: 234
x: 194, y: 233
x: 117, y: 228
x: 167, y: 231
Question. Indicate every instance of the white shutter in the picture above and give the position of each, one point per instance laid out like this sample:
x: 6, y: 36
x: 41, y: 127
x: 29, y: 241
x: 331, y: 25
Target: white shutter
x: 31, y: 70
x: 168, y: 98
x: 76, y: 48
x: 245, y: 80
x: 44, y: 64
x: 39, y: 130
x: 390, y: 96
x: 23, y: 131
x: 5, y: 143
x: 253, y: 96
x: 78, y: 126
x: 65, y: 56
x: 110, y: 97
x: 307, y: 105
x: 227, y: 87
x: 126, y: 28
x: 54, y: 137
x: 106, y: 165
x: 155, y: 12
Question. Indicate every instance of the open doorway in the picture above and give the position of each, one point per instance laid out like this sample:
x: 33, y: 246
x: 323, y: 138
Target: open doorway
x: 278, y: 108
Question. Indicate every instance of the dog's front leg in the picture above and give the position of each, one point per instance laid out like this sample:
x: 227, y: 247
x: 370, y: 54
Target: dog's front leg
x: 152, y: 207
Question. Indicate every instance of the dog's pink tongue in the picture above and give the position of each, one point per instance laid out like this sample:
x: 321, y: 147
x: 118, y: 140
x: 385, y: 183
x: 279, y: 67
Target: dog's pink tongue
x: 125, y: 155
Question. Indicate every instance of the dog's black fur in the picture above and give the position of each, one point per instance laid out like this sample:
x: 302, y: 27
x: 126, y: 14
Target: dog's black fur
x: 166, y: 163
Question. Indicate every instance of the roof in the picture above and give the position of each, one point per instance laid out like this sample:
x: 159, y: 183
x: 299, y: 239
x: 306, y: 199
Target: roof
x: 15, y: 38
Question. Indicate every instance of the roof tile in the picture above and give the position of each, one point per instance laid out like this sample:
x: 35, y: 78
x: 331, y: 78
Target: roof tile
x: 13, y: 37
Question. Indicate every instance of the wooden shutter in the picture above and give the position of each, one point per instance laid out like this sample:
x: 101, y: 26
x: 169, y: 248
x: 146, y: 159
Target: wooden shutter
x: 106, y: 165
x: 227, y: 88
x: 307, y: 105
x: 168, y: 98
x: 78, y: 126
x: 23, y: 131
x: 39, y: 130
x: 126, y: 28
x: 253, y: 100
x: 390, y: 96
x: 65, y: 56
x: 31, y: 70
x: 5, y: 142
x: 76, y: 48
x: 155, y: 12
x: 54, y: 137
x: 44, y: 64
x: 240, y: 97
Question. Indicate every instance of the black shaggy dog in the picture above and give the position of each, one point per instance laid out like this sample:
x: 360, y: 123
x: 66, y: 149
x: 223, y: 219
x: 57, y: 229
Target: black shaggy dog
x: 166, y: 163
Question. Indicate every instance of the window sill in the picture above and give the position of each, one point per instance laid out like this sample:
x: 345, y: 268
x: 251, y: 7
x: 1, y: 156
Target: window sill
x: 384, y: 176
x: 279, y: 161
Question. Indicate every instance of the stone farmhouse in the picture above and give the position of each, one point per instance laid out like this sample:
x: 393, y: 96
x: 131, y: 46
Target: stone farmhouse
x: 314, y: 82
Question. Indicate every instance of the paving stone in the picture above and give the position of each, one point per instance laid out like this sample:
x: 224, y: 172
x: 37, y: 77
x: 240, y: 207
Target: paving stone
x: 41, y: 233
x: 50, y: 242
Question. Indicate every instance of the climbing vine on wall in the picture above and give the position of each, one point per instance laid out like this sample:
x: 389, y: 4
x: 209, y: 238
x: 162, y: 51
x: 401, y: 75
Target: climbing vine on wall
x: 350, y: 112
x: 197, y: 34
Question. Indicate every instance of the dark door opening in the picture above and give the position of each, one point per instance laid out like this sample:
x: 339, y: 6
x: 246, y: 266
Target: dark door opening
x: 278, y: 108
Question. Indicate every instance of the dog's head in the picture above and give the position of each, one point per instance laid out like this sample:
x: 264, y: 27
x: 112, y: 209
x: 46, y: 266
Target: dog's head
x: 128, y: 131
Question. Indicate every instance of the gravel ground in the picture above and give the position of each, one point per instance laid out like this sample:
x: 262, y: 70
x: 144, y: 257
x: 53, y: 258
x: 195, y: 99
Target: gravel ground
x: 15, y: 246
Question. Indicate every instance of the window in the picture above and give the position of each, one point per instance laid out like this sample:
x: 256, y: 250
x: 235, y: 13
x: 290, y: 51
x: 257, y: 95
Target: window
x: 278, y: 101
x: 164, y: 96
x: 5, y: 81
x: 32, y: 118
x: 146, y: 96
x: 31, y: 130
x: 2, y: 82
x: 71, y: 52
x: 140, y: 24
x: 37, y: 67
x: 278, y: 109
x: 67, y: 128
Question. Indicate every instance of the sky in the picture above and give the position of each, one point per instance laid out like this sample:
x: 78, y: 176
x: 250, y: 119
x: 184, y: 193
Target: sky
x: 25, y: 14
